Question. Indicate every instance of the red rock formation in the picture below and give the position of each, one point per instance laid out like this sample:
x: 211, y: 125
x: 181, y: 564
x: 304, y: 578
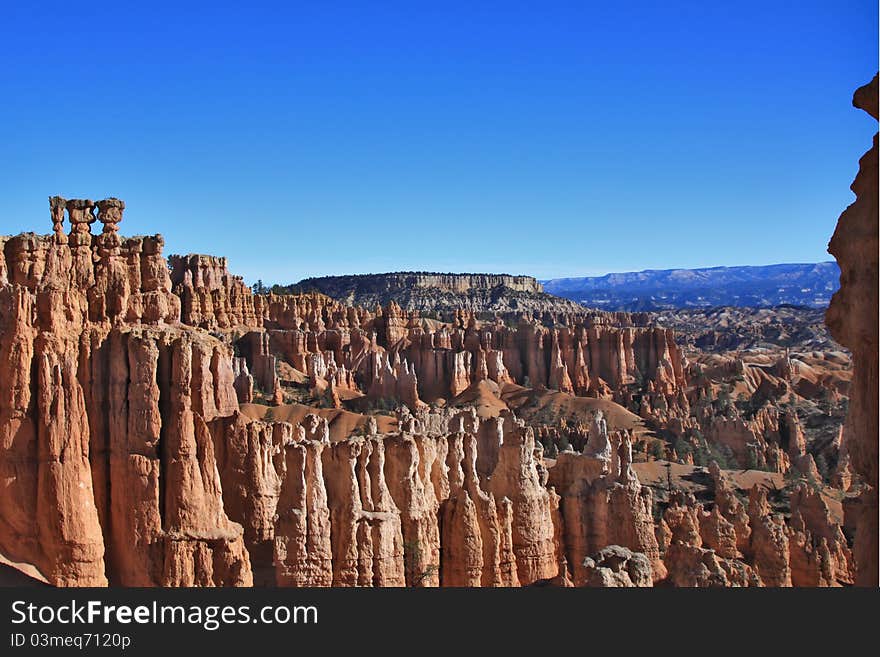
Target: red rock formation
x: 409, y: 467
x: 731, y: 508
x: 392, y: 323
x: 769, y: 541
x: 598, y: 511
x: 756, y: 442
x: 718, y: 533
x: 211, y: 297
x: 701, y: 548
x: 395, y: 380
x: 249, y: 458
x: 691, y: 566
x: 819, y: 552
x: 852, y: 319
x: 365, y: 524
x: 162, y: 464
x: 104, y: 443
x: 303, y: 551
x: 516, y: 478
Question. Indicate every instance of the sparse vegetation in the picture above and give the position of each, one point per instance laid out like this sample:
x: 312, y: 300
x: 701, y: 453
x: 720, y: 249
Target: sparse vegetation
x: 657, y: 450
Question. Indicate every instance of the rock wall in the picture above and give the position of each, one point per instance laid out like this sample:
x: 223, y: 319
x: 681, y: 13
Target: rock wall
x: 593, y: 361
x: 852, y: 319
x: 411, y: 509
x: 211, y: 297
x: 105, y: 453
x: 393, y: 354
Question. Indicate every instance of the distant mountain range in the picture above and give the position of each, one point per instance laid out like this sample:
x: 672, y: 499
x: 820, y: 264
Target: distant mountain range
x: 772, y: 285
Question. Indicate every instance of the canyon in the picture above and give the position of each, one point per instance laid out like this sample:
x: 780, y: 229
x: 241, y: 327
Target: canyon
x: 161, y: 424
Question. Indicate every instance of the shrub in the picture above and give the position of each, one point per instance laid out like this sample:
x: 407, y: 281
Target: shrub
x: 658, y: 451
x: 822, y: 466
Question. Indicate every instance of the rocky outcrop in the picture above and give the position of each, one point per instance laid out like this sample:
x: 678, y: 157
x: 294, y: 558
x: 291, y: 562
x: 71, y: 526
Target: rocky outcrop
x: 412, y: 464
x: 358, y: 285
x: 599, y: 509
x: 756, y: 442
x: 303, y: 552
x: 365, y: 524
x: 852, y: 318
x: 391, y: 353
x: 104, y: 412
x: 691, y: 566
x: 596, y: 362
x: 259, y: 366
x: 249, y: 458
x: 616, y: 567
x: 518, y: 477
x: 701, y: 548
x: 768, y: 547
x: 392, y: 379
x: 819, y: 552
x: 731, y: 509
x: 477, y: 538
x: 211, y: 297
x: 135, y: 432
x: 413, y: 509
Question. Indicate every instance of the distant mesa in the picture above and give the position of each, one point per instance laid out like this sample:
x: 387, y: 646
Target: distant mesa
x: 377, y: 283
x: 441, y: 292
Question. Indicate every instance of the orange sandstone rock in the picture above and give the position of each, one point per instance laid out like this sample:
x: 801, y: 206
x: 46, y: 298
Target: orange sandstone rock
x: 852, y: 319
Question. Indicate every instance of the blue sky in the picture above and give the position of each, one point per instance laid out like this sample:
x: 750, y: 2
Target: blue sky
x: 551, y: 139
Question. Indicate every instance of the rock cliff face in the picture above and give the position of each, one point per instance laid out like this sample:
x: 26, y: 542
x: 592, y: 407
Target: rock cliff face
x: 616, y: 567
x: 852, y: 318
x: 592, y: 361
x: 412, y: 509
x: 211, y: 297
x: 394, y: 354
x: 728, y: 543
x: 105, y: 450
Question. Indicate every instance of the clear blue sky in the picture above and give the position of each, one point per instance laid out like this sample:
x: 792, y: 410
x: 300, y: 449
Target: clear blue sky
x: 543, y: 138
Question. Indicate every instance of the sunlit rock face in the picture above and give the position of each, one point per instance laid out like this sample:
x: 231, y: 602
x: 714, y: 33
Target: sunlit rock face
x: 852, y: 318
